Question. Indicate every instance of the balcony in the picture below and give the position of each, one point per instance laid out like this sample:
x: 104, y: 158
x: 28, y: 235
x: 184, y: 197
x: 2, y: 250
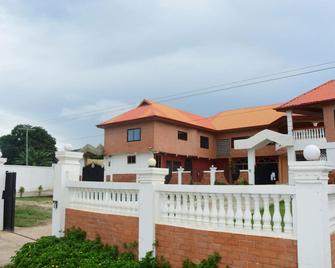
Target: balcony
x: 304, y: 137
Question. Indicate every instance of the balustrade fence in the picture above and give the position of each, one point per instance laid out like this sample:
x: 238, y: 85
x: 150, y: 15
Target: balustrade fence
x: 310, y: 133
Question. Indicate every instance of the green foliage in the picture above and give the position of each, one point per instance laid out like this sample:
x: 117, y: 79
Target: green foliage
x: 241, y: 181
x: 40, y: 189
x: 74, y: 251
x: 211, y: 262
x: 21, y: 190
x: 28, y: 216
x: 42, y: 146
x: 220, y: 183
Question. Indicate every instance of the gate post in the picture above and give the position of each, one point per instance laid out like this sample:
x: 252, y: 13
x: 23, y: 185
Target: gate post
x: 67, y: 169
x: 148, y: 204
x: 2, y: 188
x: 311, y: 213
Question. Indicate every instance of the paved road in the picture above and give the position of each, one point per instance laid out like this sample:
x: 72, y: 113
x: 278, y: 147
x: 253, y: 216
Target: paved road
x: 10, y: 242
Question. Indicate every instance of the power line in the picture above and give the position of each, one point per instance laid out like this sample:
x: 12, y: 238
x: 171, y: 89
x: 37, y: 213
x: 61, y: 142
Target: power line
x: 201, y: 91
x: 242, y: 85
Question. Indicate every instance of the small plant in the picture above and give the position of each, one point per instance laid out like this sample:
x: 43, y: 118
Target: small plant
x: 211, y: 262
x: 21, y: 190
x: 220, y: 183
x: 241, y: 181
x: 40, y: 189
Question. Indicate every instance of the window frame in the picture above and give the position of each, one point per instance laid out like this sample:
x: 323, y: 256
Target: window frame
x: 202, y: 144
x: 133, y: 129
x: 180, y: 132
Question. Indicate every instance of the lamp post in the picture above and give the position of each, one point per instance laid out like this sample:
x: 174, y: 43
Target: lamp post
x: 27, y: 129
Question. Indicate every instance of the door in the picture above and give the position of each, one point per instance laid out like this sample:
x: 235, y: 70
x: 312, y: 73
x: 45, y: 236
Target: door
x: 93, y: 173
x: 9, y: 201
x: 266, y: 173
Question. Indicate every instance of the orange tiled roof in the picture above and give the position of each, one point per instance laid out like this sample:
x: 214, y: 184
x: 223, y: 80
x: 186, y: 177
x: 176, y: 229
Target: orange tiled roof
x: 246, y: 117
x: 149, y: 108
x: 233, y: 119
x: 322, y: 93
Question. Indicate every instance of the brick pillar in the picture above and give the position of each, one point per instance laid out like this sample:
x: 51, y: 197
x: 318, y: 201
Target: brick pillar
x: 67, y: 169
x: 147, y: 180
x: 311, y: 213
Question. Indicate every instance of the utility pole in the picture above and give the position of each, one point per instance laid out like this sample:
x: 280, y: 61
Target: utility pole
x: 27, y: 129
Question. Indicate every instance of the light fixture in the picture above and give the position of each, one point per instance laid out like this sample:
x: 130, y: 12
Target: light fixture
x: 312, y: 153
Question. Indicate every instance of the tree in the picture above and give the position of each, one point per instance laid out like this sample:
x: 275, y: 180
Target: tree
x: 42, y: 146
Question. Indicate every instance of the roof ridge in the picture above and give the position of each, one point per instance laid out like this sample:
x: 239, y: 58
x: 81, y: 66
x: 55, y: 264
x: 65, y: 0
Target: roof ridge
x: 307, y: 92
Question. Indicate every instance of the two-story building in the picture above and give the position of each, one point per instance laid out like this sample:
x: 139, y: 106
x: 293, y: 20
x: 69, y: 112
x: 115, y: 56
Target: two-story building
x: 178, y: 138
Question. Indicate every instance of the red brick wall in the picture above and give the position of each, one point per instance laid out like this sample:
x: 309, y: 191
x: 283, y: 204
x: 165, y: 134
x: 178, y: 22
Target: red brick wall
x: 332, y: 241
x: 237, y: 250
x: 186, y: 178
x: 113, y: 229
x: 220, y: 177
x: 124, y: 177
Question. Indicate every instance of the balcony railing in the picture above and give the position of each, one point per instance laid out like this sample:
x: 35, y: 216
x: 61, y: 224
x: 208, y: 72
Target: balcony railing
x: 309, y: 134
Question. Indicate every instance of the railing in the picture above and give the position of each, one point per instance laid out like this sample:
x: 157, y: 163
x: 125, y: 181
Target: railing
x: 251, y: 209
x: 331, y: 207
x: 310, y: 133
x: 116, y: 198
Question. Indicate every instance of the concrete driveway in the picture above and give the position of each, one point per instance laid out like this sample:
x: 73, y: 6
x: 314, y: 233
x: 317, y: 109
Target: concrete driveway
x: 11, y: 242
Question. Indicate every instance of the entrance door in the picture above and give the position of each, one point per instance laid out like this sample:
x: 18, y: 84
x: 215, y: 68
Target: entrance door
x: 266, y: 173
x: 9, y: 201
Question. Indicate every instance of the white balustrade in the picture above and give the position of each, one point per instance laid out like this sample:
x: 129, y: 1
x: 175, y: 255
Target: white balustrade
x: 251, y: 209
x: 112, y: 198
x: 308, y: 134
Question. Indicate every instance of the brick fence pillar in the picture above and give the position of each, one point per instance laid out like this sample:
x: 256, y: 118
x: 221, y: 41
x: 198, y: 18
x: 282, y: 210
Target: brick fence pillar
x: 147, y: 179
x: 67, y: 169
x: 311, y: 213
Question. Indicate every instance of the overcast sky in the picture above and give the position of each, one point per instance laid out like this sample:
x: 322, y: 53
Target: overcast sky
x: 63, y: 59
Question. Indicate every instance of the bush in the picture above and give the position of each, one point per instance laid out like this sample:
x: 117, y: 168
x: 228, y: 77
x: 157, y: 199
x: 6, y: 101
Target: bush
x: 211, y: 262
x: 21, y: 190
x: 73, y: 250
x: 40, y: 189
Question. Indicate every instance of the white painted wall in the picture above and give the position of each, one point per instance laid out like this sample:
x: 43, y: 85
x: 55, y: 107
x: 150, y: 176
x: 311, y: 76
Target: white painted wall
x: 31, y: 177
x: 119, y: 165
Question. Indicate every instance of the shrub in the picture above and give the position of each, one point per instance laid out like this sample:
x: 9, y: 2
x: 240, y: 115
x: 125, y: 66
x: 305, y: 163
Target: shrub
x: 211, y: 262
x: 220, y: 183
x: 73, y: 250
x: 40, y: 189
x: 21, y: 190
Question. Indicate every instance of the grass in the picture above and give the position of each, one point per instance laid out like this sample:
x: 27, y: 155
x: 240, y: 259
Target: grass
x: 32, y: 211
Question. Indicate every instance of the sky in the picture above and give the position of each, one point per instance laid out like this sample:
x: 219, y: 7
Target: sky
x: 69, y: 65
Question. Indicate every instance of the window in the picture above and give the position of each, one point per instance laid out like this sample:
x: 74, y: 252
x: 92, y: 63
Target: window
x: 134, y: 134
x: 204, y: 142
x: 131, y: 159
x: 182, y: 135
x: 223, y: 147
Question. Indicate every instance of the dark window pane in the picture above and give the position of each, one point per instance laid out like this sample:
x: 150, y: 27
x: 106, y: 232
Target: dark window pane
x: 131, y: 159
x: 204, y: 142
x: 182, y: 135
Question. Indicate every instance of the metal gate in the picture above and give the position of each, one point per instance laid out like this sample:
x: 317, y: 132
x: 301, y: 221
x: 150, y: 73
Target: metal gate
x: 93, y: 173
x: 9, y: 201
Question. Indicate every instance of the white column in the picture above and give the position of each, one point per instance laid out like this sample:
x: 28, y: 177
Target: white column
x: 2, y: 188
x: 148, y: 206
x: 67, y: 168
x: 311, y: 213
x: 290, y: 149
x: 251, y: 166
x: 212, y: 173
x: 180, y: 175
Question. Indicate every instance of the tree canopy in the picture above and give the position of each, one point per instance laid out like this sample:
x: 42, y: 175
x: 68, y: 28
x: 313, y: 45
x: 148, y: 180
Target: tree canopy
x: 41, y: 146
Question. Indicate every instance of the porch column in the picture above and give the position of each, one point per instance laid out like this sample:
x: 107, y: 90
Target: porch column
x: 212, y: 175
x: 290, y: 149
x: 180, y: 175
x: 251, y: 165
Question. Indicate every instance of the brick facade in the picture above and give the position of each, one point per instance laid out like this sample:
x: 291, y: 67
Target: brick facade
x: 237, y: 250
x: 124, y: 177
x: 186, y: 178
x: 113, y: 229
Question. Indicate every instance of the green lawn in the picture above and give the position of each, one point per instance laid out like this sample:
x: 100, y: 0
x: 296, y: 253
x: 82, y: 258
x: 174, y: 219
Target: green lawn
x: 32, y: 211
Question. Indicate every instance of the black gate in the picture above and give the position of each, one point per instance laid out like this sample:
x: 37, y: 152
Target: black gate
x: 9, y: 201
x: 266, y: 173
x: 93, y: 173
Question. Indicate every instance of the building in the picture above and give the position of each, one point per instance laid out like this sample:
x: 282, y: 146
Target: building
x: 178, y: 138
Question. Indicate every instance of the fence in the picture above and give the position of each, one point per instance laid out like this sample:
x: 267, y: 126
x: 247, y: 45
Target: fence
x: 278, y: 225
